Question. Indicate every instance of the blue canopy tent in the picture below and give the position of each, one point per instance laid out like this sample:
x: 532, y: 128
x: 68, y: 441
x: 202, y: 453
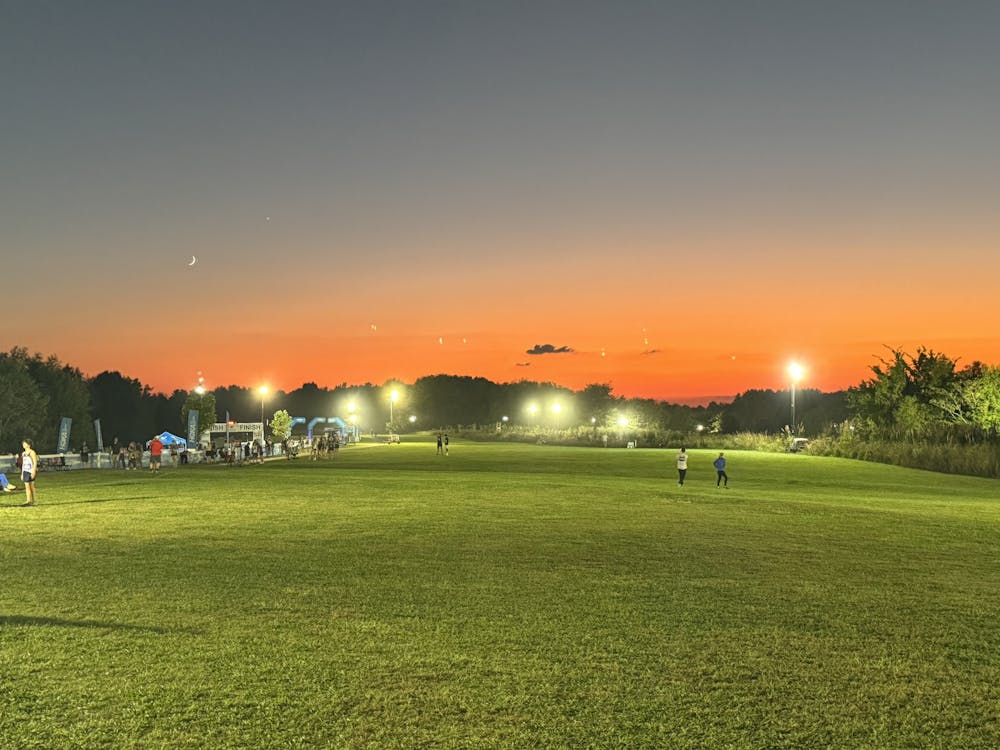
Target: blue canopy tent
x: 168, y: 439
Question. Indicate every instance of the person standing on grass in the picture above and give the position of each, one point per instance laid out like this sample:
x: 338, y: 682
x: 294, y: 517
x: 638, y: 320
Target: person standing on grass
x: 720, y: 469
x: 440, y: 449
x: 682, y: 466
x: 29, y: 469
x: 155, y: 452
x: 446, y: 443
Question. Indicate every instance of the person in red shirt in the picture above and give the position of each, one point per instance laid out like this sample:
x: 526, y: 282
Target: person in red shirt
x: 155, y: 451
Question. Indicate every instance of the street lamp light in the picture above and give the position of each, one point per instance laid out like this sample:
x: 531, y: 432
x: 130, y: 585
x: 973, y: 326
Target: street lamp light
x: 795, y: 372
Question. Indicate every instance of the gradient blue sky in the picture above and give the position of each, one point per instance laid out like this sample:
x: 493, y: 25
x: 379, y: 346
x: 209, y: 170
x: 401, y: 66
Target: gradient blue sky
x: 685, y: 194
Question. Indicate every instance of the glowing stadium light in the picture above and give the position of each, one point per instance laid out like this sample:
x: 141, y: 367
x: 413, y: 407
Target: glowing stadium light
x: 623, y: 421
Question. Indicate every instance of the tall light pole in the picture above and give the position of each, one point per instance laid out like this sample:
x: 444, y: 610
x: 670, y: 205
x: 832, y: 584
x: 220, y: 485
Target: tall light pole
x: 352, y: 417
x: 795, y: 372
x: 393, y: 398
x: 263, y: 432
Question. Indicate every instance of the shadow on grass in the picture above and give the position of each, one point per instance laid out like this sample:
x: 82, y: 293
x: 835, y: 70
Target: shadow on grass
x: 82, y: 502
x: 106, y: 500
x: 13, y: 621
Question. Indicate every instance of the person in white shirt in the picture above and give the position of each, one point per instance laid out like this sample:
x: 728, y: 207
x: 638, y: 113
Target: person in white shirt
x: 29, y: 470
x: 682, y: 466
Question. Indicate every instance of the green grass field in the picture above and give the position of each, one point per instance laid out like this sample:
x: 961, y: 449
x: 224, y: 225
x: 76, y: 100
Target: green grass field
x: 503, y: 596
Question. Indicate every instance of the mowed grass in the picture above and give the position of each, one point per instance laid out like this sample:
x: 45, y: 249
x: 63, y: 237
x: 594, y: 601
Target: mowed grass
x: 503, y: 596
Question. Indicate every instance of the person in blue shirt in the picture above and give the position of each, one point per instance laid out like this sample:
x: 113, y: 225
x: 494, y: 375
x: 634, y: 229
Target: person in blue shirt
x: 720, y: 470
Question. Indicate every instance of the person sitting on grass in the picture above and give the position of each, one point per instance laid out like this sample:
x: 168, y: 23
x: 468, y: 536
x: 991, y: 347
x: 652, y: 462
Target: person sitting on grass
x: 5, y: 484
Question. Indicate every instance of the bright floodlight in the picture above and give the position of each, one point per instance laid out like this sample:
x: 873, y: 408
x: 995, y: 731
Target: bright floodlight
x: 556, y: 408
x: 200, y: 390
x: 623, y: 421
x: 796, y: 371
x: 413, y: 418
x: 394, y: 395
x: 532, y: 409
x: 700, y: 427
x: 593, y: 420
x: 505, y: 418
x: 263, y: 390
x: 351, y: 406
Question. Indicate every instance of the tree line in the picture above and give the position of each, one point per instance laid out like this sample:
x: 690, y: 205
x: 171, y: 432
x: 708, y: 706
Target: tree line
x: 909, y: 397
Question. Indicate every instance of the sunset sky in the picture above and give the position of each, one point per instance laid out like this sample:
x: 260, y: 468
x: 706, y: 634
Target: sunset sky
x: 676, y: 198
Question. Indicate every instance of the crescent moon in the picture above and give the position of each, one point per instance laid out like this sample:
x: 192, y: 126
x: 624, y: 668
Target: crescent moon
x: 193, y: 261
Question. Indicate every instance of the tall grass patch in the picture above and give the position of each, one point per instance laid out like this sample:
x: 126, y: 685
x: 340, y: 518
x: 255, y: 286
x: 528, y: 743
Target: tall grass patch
x: 974, y: 459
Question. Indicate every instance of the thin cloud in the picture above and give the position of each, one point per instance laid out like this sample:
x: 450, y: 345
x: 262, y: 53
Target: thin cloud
x: 523, y: 364
x: 549, y: 349
x: 652, y: 351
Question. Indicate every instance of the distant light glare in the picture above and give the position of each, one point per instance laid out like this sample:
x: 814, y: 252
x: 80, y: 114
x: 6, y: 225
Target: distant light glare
x: 796, y: 371
x: 623, y: 421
